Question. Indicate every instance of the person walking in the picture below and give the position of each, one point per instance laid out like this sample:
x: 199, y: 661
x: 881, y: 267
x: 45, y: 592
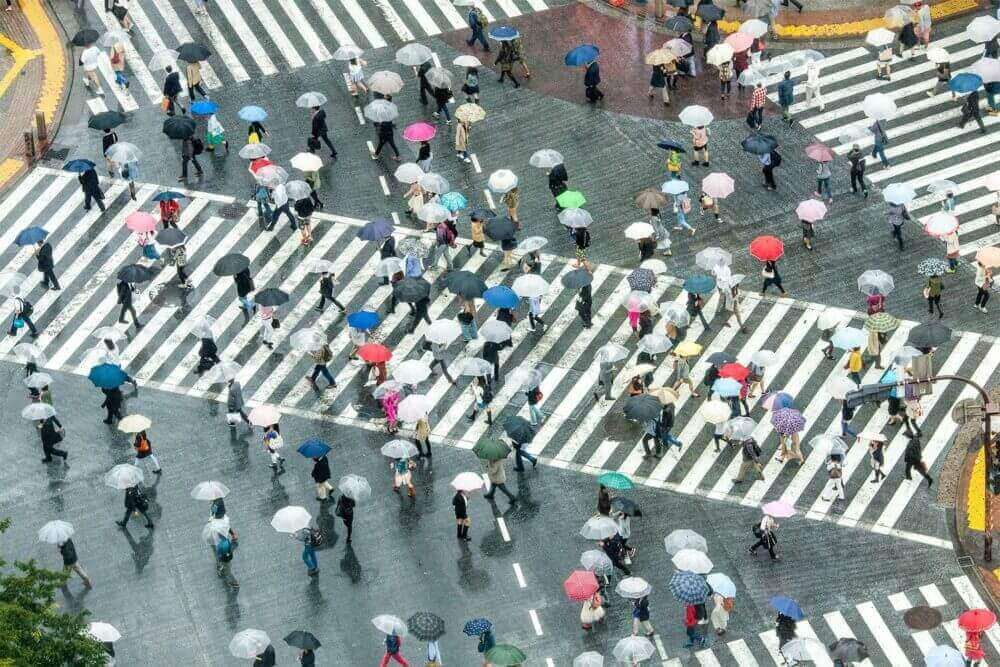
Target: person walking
x: 116, y: 56
x: 402, y: 475
x: 267, y: 658
x: 356, y: 75
x: 658, y: 81
x: 191, y: 148
x: 192, y: 72
x: 757, y: 101
x: 767, y: 536
x: 178, y: 257
x: 22, y: 317
x: 699, y: 144
x: 857, y: 160
x: 279, y: 197
x: 505, y: 58
x: 923, y: 26
x: 440, y: 359
x: 171, y: 89
x: 972, y: 649
x: 321, y: 358
x: 823, y: 175
x: 640, y: 617
x: 319, y: 131
x: 897, y: 216
x: 750, y: 451
x: 731, y: 299
x: 952, y: 250
x: 244, y: 288
x: 326, y: 293
x: 386, y: 133
x: 512, y: 200
x: 682, y: 373
x: 477, y: 25
x: 876, y: 456
x: 208, y: 355
x: 91, y: 186
x: 71, y: 563
x: 695, y: 638
x: 471, y: 85
x: 666, y: 424
x: 932, y: 292
x: 125, y: 291
x: 520, y: 454
x: 835, y: 472
x: 592, y: 611
x: 498, y: 480
x: 983, y: 282
x: 855, y: 364
x: 913, y: 460
x: 584, y: 307
x: 113, y: 399
x: 235, y: 405
x: 462, y: 140
x: 592, y: 79
x: 460, y: 503
x: 46, y: 265
x: 971, y: 110
x: 879, y: 140
x: 135, y: 503
x: 144, y: 450
x: 786, y: 97
x: 225, y: 548
x: 345, y: 510
x: 52, y: 433
x: 310, y: 538
x: 721, y: 612
x: 943, y: 76
x: 442, y: 95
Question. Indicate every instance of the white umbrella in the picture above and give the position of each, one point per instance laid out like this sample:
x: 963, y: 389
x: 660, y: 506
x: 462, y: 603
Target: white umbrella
x: 899, y: 193
x: 575, y: 217
x: 38, y: 380
x: 310, y: 99
x: 134, y: 424
x: 297, y: 189
x: 307, y: 340
x: 589, y: 659
x: 10, y: 283
x: 123, y: 152
x: 545, y: 158
x: 763, y: 358
x: 248, y: 644
x: 803, y: 648
x: 399, y: 449
x: 532, y: 244
x: 942, y: 186
x: 683, y: 538
x: 938, y: 55
x: 385, y: 82
x: 264, y: 415
x: 467, y: 481
x: 596, y: 560
x: 988, y: 69
x: 414, y: 407
x: 599, y: 528
x: 502, y: 180
x: 530, y: 285
x: 408, y: 172
x: 754, y: 27
x: 713, y: 257
x: 610, y: 353
x: 38, y: 411
x: 163, y: 59
x: 696, y: 115
x: 655, y: 343
x: 210, y: 490
x: 108, y: 333
x: 255, y: 151
x: 214, y: 529
x: 751, y: 76
x: 355, y: 487
x: 992, y: 183
x: 944, y: 656
x: 639, y: 230
x: 839, y: 386
x: 829, y: 319
x: 829, y: 442
x: 714, y: 411
x: 675, y: 314
x: 876, y: 280
x: 739, y: 428
x: 524, y: 378
x: 435, y: 183
x: 692, y: 560
x: 633, y: 588
x: 466, y: 60
x: 29, y: 352
x: 853, y: 133
x: 411, y: 371
x: 271, y: 175
x: 291, y: 519
x: 389, y: 266
x: 496, y: 331
x: 657, y: 266
x: 880, y: 37
x: 381, y: 111
x: 390, y: 625
x: 306, y: 162
x: 123, y: 476
x: 879, y: 106
x: 982, y: 29
x: 347, y: 52
x: 320, y: 266
x: 103, y: 632
x: 224, y: 371
x: 55, y: 532
x: 112, y: 37
x: 443, y: 332
x: 633, y: 650
x: 439, y: 77
x: 413, y: 55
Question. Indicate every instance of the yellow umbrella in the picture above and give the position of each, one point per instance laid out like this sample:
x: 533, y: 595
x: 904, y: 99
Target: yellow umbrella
x: 989, y: 256
x: 665, y: 394
x: 687, y: 349
x: 470, y: 113
x: 659, y: 57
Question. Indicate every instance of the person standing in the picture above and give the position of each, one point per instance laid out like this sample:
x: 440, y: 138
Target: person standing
x: 767, y: 537
x: 52, y: 433
x: 971, y: 110
x: 640, y: 617
x: 757, y: 101
x: 477, y: 26
x: 498, y: 480
x: 857, y: 159
x: 321, y: 357
x: 320, y: 131
x: 460, y: 503
x: 983, y: 281
x: 135, y: 503
x: 345, y: 510
x: 786, y: 96
x: 879, y: 140
x: 71, y: 563
x: 144, y: 450
x: 812, y: 85
x: 591, y: 79
x: 171, y: 89
x: 91, y: 186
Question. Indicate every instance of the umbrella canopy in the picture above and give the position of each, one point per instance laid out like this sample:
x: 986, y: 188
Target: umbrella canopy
x: 502, y: 33
x: 491, y: 450
x: 692, y: 560
x: 988, y: 69
x: 501, y: 296
x: 610, y: 353
x: 740, y: 41
x: 720, y: 358
x: 696, y: 115
x: 580, y: 585
x: 231, y: 264
x: 713, y: 257
x: 439, y: 77
x: 733, y: 370
x: 763, y: 358
x: 302, y: 639
x: 639, y: 230
x: 475, y: 367
x: 615, y: 480
x: 649, y: 199
x: 291, y: 519
x: 103, y: 632
x: 411, y: 290
x: 718, y: 185
x: 39, y: 380
x: 929, y: 335
x: 754, y: 28
x: 787, y: 607
x: 879, y: 106
x: 348, y: 52
x: 171, y: 237
x: 571, y: 199
x: 876, y: 281
x: 496, y: 331
x: 633, y: 588
x: 500, y: 229
x: 530, y: 286
x: 467, y: 481
x: 466, y: 60
x: 297, y: 189
x: 767, y: 248
x: 881, y: 322
x: 726, y: 388
x: 435, y: 183
x: 408, y: 172
x: 425, y: 626
x: 313, y: 448
x: 502, y: 180
x: 989, y: 256
x: 657, y: 266
x: 811, y: 210
x: 848, y: 338
x: 625, y: 506
x: 678, y: 23
x: 381, y: 111
x: 390, y: 625
x: 779, y: 509
x: 134, y: 424
x: 385, y: 82
x: 899, y: 193
x: 801, y: 649
x: 106, y: 120
x: 589, y: 659
x: 85, y: 37
x: 688, y: 587
x: 444, y: 332
x: 819, y: 152
x: 470, y: 113
x: 827, y: 442
x: 355, y: 487
x: 374, y: 353
x: 787, y: 421
x: 477, y: 626
x: 413, y: 55
x: 599, y: 528
x: 524, y: 378
x: 759, y: 144
x: 980, y: 29
x: 671, y: 145
x: 433, y: 213
x: 55, y: 532
x: 210, y: 490
x: 839, y: 387
x: 78, y: 166
x: 32, y: 235
x: 699, y: 283
x: 454, y: 201
x: 575, y: 218
x: 944, y: 656
x: 721, y: 584
x: 545, y: 158
x: 107, y: 376
x: 581, y: 55
x: 941, y: 224
x: 965, y: 82
x: 419, y: 131
x: 192, y: 52
x: 311, y: 99
x: 268, y: 174
x: 532, y: 244
x: 271, y: 297
x: 179, y: 127
x: 399, y: 449
x: 880, y: 37
x: 264, y: 415
x: 363, y: 320
x: 633, y: 649
x: 678, y: 47
x: 252, y: 114
x: 660, y: 57
x: 140, y: 221
x: 38, y: 411
x: 655, y: 343
x: 642, y: 408
x: 505, y: 655
x: 714, y: 411
x: 123, y: 476
x: 376, y: 230
x: 596, y: 560
x: 709, y: 12
x: 465, y: 284
x: 204, y: 108
x: 719, y: 55
x: 248, y: 644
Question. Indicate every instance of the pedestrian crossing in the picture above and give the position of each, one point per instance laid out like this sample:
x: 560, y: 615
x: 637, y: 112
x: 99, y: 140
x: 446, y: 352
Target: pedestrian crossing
x: 926, y: 143
x: 252, y: 38
x: 878, y: 623
x: 577, y: 432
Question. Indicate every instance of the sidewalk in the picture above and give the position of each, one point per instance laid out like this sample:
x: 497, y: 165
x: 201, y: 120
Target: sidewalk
x: 33, y: 73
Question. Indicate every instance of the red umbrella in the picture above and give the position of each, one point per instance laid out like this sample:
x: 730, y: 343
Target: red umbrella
x: 738, y: 372
x: 580, y: 585
x: 258, y: 163
x: 767, y: 248
x: 819, y: 152
x: 976, y: 620
x: 374, y: 353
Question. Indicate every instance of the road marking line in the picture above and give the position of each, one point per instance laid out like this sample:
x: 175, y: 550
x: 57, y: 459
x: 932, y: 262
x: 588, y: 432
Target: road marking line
x: 208, y: 26
x: 423, y: 18
x: 182, y: 35
x: 742, y: 653
x: 385, y: 185
x: 475, y: 163
x: 335, y: 27
x: 883, y: 636
x: 361, y: 116
x: 305, y: 29
x: 520, y: 576
x: 503, y: 529
x: 390, y: 15
x: 534, y: 621
x: 933, y: 596
x: 489, y: 200
x: 450, y: 13
x: 395, y: 218
x: 659, y: 647
x: 248, y: 37
x: 900, y: 602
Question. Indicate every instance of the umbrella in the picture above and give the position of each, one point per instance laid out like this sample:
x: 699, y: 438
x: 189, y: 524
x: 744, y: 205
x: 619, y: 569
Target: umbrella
x: 779, y: 509
x: 726, y: 388
x: 898, y: 16
x: 291, y: 519
x: 375, y: 230
x: 811, y: 210
x: 719, y: 55
x: 491, y: 450
x: 688, y: 587
x: 313, y: 448
x: 139, y: 221
x: 107, y: 376
x: 271, y: 297
x: 530, y: 286
x: 374, y: 353
x: 103, y: 632
x: 439, y: 77
x: 266, y: 173
x: 575, y: 217
x: 348, y: 52
x: 733, y: 370
x: 763, y: 358
x: 454, y: 201
x: 879, y: 106
x: 477, y: 626
x: 713, y: 257
x: 443, y: 332
x: 38, y: 411
x: 696, y: 116
x: 505, y: 655
x: 625, y: 506
x: 580, y: 585
x: 610, y: 353
x: 687, y: 348
x: 252, y: 114
x: 881, y: 322
x: 467, y: 481
x: 787, y: 606
x: 839, y: 387
x: 853, y: 133
x: 435, y: 183
x: 408, y: 172
x: 475, y: 367
x: 204, y: 108
x: 671, y: 145
x: 355, y: 487
x: 655, y: 343
x: 502, y: 180
x: 767, y: 248
x: 532, y: 244
x: 470, y: 113
x: 692, y: 560
x: 302, y: 639
x: 754, y: 28
x: 941, y: 224
x: 699, y: 283
x: 503, y: 33
x: 596, y: 560
x: 899, y: 193
x: 876, y: 281
x: 720, y: 358
x: 988, y: 69
x: 633, y: 649
x: 678, y: 23
x: 942, y: 186
x: 787, y: 421
x: 85, y: 37
x: 524, y: 378
x: 134, y: 424
x: 496, y: 331
x: 386, y: 388
x: 848, y: 338
x: 32, y: 235
x: 500, y: 229
x: 965, y: 82
x: 980, y: 29
x: 718, y: 185
x: 801, y: 649
x: 589, y: 659
x: 311, y: 99
x: 642, y: 408
x: 709, y: 12
x: 363, y: 320
x: 413, y: 55
x: 989, y: 256
x: 657, y: 266
x: 425, y: 626
x: 833, y: 444
x: 399, y: 449
x: 28, y: 352
x: 10, y: 283
x: 819, y: 152
x: 581, y: 55
x: 465, y: 284
x: 78, y: 166
x: 296, y: 189
x: 776, y: 400
x: 264, y: 415
x: 192, y: 52
x: 633, y: 588
x: 615, y: 480
x: 501, y: 296
x: 55, y: 532
x: 433, y: 213
x: 599, y: 528
x: 381, y: 111
x: 639, y: 230
x: 179, y: 127
x: 466, y: 60
x: 577, y: 279
x: 171, y: 237
x: 944, y: 656
x: 210, y: 490
x: 39, y: 380
x: 385, y: 82
x: 928, y: 335
x: 419, y: 131
x: 880, y: 37
x: 660, y: 57
x: 411, y: 290
x: 123, y: 476
x: 649, y: 199
x: 248, y: 644
x: 721, y: 584
x: 678, y: 47
x: 740, y: 41
x: 306, y: 162
x: 759, y: 144
x: 545, y: 158
x: 106, y: 120
x: 571, y: 199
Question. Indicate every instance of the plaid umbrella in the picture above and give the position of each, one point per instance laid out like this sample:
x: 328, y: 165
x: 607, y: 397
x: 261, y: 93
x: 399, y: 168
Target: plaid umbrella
x: 413, y: 246
x: 425, y: 626
x: 642, y: 279
x: 689, y: 588
x: 615, y: 480
x: 787, y: 421
x: 881, y: 322
x: 477, y: 626
x: 932, y: 266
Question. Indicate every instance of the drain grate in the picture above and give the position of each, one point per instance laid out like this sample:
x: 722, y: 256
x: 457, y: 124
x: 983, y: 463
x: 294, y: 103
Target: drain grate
x: 56, y: 154
x: 232, y: 211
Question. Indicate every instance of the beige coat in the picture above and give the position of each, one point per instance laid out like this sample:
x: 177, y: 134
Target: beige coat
x: 193, y: 74
x: 461, y: 137
x: 423, y: 429
x: 495, y: 471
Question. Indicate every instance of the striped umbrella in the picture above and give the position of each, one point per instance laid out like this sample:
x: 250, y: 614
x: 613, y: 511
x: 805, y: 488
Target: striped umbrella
x: 881, y: 322
x: 787, y: 421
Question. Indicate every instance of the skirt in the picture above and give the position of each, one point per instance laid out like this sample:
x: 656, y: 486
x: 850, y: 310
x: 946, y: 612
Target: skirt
x: 589, y: 615
x: 581, y: 254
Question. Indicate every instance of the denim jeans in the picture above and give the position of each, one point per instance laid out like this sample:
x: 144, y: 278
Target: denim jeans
x: 535, y: 413
x: 682, y: 221
x: 309, y: 557
x: 321, y: 369
x: 878, y: 150
x: 823, y: 185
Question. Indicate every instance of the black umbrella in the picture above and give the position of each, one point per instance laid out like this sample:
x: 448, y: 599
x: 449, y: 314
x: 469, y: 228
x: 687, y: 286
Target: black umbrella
x: 928, y: 335
x: 710, y: 12
x: 270, y: 297
x: 230, y: 265
x: 500, y: 229
x: 302, y: 639
x: 848, y: 650
x: 106, y: 120
x: 678, y: 24
x: 625, y: 506
x: 759, y: 144
x: 133, y: 273
x: 670, y: 145
x: 519, y: 429
x: 179, y: 127
x: 85, y: 37
x: 425, y: 626
x: 190, y: 52
x: 642, y: 407
x: 577, y: 279
x: 465, y: 284
x: 720, y: 358
x: 171, y: 237
x: 482, y: 214
x: 411, y: 290
x: 679, y: 3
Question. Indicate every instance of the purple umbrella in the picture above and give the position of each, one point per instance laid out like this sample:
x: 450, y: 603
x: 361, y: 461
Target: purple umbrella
x: 787, y: 421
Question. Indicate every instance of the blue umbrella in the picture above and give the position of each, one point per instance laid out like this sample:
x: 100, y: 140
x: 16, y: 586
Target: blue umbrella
x: 169, y: 195
x: 363, y: 320
x: 582, y: 55
x: 78, y: 166
x: 30, y: 236
x: 848, y: 338
x: 759, y: 144
x: 726, y: 387
x: 689, y: 588
x: 500, y: 296
x: 699, y: 283
x: 107, y: 376
x: 376, y: 230
x: 453, y: 201
x: 477, y: 626
x: 204, y: 108
x: 504, y: 33
x: 313, y: 448
x: 965, y: 82
x: 252, y: 114
x: 787, y: 607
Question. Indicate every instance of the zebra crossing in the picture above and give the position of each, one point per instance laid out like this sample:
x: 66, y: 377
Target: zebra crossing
x: 878, y: 623
x: 249, y: 39
x: 926, y: 144
x: 578, y: 432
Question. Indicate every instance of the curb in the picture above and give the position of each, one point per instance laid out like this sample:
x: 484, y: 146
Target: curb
x: 968, y: 512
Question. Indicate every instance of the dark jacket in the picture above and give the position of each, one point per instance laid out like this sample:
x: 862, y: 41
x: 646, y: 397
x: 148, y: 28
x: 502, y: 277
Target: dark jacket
x: 321, y: 470
x: 667, y: 417
x: 326, y: 287
x: 208, y: 348
x: 45, y: 261
x: 345, y: 508
x: 112, y: 398
x: 912, y: 453
x: 657, y: 79
x: 971, y: 104
x: 267, y: 658
x: 68, y: 552
x: 90, y: 182
x: 385, y: 130
x: 134, y: 500
x: 491, y: 351
x: 786, y: 92
x: 124, y: 291
x: 640, y: 608
x: 172, y: 85
x: 50, y: 432
x: 424, y: 152
x: 712, y: 36
x: 857, y: 159
x: 319, y: 123
x: 442, y: 95
x: 244, y: 283
x: 108, y: 140
x: 461, y: 505
x: 388, y: 248
x: 593, y: 75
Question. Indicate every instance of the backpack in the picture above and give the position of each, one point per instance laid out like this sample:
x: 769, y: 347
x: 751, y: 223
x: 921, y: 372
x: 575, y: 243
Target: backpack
x: 197, y: 146
x: 480, y: 19
x: 444, y: 235
x: 391, y: 644
x: 472, y: 80
x: 487, y: 393
x: 326, y: 354
x: 143, y: 447
x: 728, y: 603
x: 775, y: 159
x: 224, y: 548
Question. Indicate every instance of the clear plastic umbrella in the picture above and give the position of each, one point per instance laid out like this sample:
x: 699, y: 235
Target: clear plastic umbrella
x: 575, y: 217
x: 802, y: 649
x: 852, y: 134
x: 545, y: 158
x: 696, y: 115
x: 589, y: 659
x: 502, y: 180
x: 103, y: 632
x: 754, y: 28
x: 876, y: 281
x: 413, y: 55
x: 466, y: 60
x: 739, y: 428
x: 389, y: 266
x: 599, y: 528
x: 443, y: 332
x: 123, y: 152
x: 210, y: 490
x: 610, y: 353
x: 675, y: 314
x: 712, y: 257
x: 55, y: 532
x: 408, y: 172
x: 248, y: 644
x: 310, y: 99
x: 880, y: 37
x: 399, y: 449
x: 38, y: 380
x: 347, y: 52
x: 495, y: 331
x: 297, y: 189
x: 879, y: 106
x: 596, y: 561
x: 255, y: 151
x: 307, y: 340
x: 633, y: 650
x: 530, y: 285
x: 38, y: 411
x: 751, y: 76
x: 900, y: 194
x: 214, y: 529
x: 411, y: 371
x: 390, y: 625
x: 633, y: 588
x: 224, y: 371
x: 655, y: 343
x: 944, y: 656
x: 291, y: 519
x: 439, y: 77
x: 29, y: 352
x: 381, y: 111
x: 639, y: 230
x: 162, y: 59
x: 112, y: 37
x: 683, y: 538
x: 435, y: 183
x: 414, y: 407
x: 271, y: 175
x: 355, y: 487
x: 123, y: 476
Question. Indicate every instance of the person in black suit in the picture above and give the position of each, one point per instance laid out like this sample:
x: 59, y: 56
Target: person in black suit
x: 91, y: 186
x: 319, y: 129
x: 47, y: 265
x: 125, y: 291
x: 461, y: 504
x: 171, y: 89
x: 51, y: 431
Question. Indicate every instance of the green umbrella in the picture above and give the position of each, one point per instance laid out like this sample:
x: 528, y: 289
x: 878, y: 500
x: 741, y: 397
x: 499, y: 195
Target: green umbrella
x: 505, y: 655
x: 571, y: 199
x: 615, y: 480
x: 491, y: 450
x: 881, y: 322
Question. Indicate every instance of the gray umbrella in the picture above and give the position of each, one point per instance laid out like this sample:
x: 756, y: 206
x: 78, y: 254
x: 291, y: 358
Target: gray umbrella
x: 465, y: 284
x: 682, y: 539
x: 230, y: 265
x: 500, y: 229
x: 413, y: 55
x: 310, y: 99
x: 519, y: 429
x: 411, y: 290
x: 270, y: 297
x: 381, y: 111
x: 439, y: 77
x: 642, y: 408
x: 171, y: 237
x: 848, y: 650
x: 355, y: 487
x: 577, y: 279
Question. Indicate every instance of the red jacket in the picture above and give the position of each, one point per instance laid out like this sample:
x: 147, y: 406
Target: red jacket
x: 690, y: 616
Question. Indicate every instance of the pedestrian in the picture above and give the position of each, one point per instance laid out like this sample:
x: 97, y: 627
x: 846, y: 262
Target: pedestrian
x: 592, y: 611
x: 113, y: 400
x: 117, y: 57
x: 91, y: 186
x: 71, y: 563
x: 731, y: 298
x: 857, y: 160
x: 512, y: 200
x: 422, y: 437
x: 789, y: 448
x: 695, y: 308
x: 682, y: 206
x: 883, y: 63
x: 386, y: 135
x: 208, y: 355
x: 90, y: 77
x: 462, y: 140
x: 192, y: 72
x: 943, y: 72
x: 879, y: 140
x: 971, y: 110
x: 498, y: 480
x: 326, y: 292
x: 171, y: 89
x: 311, y: 538
x: 766, y: 533
x: 320, y: 131
x: 912, y: 411
x: 615, y: 551
x: 913, y: 459
x: 486, y: 642
x: 812, y: 85
x: 786, y: 96
x: 757, y: 101
x: 932, y: 292
x: 855, y: 364
x: 178, y: 257
x: 147, y: 247
x: 345, y: 510
x: 356, y: 75
x: 191, y: 148
x: 135, y: 503
x: 441, y: 359
x: 279, y: 197
x: 307, y: 657
x: 312, y: 178
x: 225, y: 547
x: 682, y: 373
x: 460, y: 503
x: 144, y: 450
x: 558, y: 178
x: 581, y: 239
x: 699, y: 143
x: 721, y: 612
x: 471, y: 85
x: 505, y: 58
x: 923, y: 27
x: 972, y: 649
x: 771, y: 277
x: 897, y: 216
x: 876, y: 457
x: 517, y: 50
x: 823, y: 175
x: 51, y: 432
x: 442, y: 95
x: 726, y: 79
x: 273, y: 442
x: 215, y: 134
x: 592, y: 79
x: 235, y: 406
x: 785, y: 629
x: 402, y: 475
x: 908, y: 40
x: 304, y: 208
x: 22, y: 316
x: 835, y: 472
x: 658, y: 81
x: 691, y: 628
x: 269, y: 322
x: 584, y: 307
x: 46, y: 265
x: 674, y: 163
x: 520, y: 453
x: 640, y: 617
x: 109, y: 139
x: 651, y: 434
x: 390, y: 407
x: 477, y: 25
x: 267, y: 658
x: 983, y: 282
x: 420, y: 312
x: 321, y: 358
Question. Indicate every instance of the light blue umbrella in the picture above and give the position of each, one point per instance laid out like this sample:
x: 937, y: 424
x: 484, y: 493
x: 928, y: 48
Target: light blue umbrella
x: 848, y: 338
x: 965, y: 82
x: 699, y: 283
x: 504, y: 33
x: 722, y: 585
x: 726, y: 387
x: 675, y: 186
x: 454, y: 201
x: 252, y: 114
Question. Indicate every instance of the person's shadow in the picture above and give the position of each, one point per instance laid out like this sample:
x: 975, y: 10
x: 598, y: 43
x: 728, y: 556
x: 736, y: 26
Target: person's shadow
x: 350, y: 565
x: 142, y: 550
x: 327, y: 525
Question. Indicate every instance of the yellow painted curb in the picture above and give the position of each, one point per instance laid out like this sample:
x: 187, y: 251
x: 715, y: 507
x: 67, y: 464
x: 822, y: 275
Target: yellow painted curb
x: 9, y: 168
x: 975, y: 502
x: 54, y: 61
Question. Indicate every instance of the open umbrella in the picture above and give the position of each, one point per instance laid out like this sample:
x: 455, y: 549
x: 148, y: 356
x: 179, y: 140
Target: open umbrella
x: 303, y: 640
x: 575, y: 218
x: 532, y: 244
x: 210, y: 490
x: 491, y: 450
x: 692, y: 560
x: 107, y: 376
x: 505, y: 655
x: 625, y: 506
x: 779, y: 509
x: 928, y: 335
x: 530, y: 286
x: 231, y: 264
x: 940, y: 224
x: 754, y: 27
x: 381, y: 111
x: 671, y: 145
x: 348, y: 52
x: 264, y: 415
x: 944, y: 656
x: 767, y: 248
x: 688, y: 587
x: 439, y: 77
x: 85, y: 37
x: 411, y: 290
x: 470, y: 113
x: 615, y: 480
x: 965, y: 82
x: 106, y: 120
x: 649, y: 199
x: 503, y: 33
x: 713, y: 257
x: 802, y: 649
x: 313, y: 448
x: 811, y: 210
x: 714, y: 411
x: 599, y: 528
x: 477, y: 626
x: 139, y: 221
x: 502, y: 180
x: 204, y: 108
x: 475, y: 367
x: 759, y: 144
x: 696, y: 115
x: 390, y: 625
x: 123, y: 476
x: 375, y: 230
x: 787, y: 421
x: 848, y: 338
x: 733, y: 370
x: 678, y: 47
x: 721, y: 584
x: 740, y: 41
x: 413, y: 55
x: 38, y: 411
x: 581, y: 55
x: 179, y: 127
x: 545, y: 158
x: 408, y: 172
x: 134, y: 424
x: 374, y: 353
x: 291, y: 519
x: 171, y: 237
x: 78, y: 166
x: 580, y: 585
x: 419, y: 131
x: 500, y: 229
x: 495, y: 331
x: 385, y: 82
x: 355, y: 487
x: 55, y: 532
x: 465, y: 284
x: 642, y: 408
x: 31, y: 236
x: 467, y: 481
x: 718, y: 185
x: 271, y: 297
x: 880, y: 37
x: 876, y: 281
x: 989, y: 256
x: 709, y: 12
x: 610, y: 353
x: 311, y: 99
x: 633, y: 588
x: 363, y: 320
x: 639, y: 230
x: 699, y: 283
x: 633, y: 649
x: 252, y: 114
x: 655, y: 343
x: 425, y: 626
x: 726, y: 388
x: 719, y: 55
x: 678, y: 23
x: 787, y: 606
x: 596, y: 560
x: 879, y: 106
x: 192, y: 52
x: 980, y: 29
x: 38, y: 380
x: 103, y: 632
x: 399, y: 449
x: 819, y: 152
x: 881, y: 322
x: 248, y: 644
x: 660, y: 57
x: 444, y: 332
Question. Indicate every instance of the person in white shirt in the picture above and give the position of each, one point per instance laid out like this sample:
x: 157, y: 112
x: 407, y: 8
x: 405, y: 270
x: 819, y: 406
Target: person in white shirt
x: 812, y: 85
x: 281, y: 205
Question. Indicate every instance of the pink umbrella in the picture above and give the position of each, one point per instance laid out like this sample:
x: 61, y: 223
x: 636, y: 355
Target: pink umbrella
x: 740, y: 41
x: 718, y: 185
x: 140, y: 221
x: 940, y: 224
x: 811, y: 210
x: 419, y: 131
x: 819, y: 152
x: 779, y: 509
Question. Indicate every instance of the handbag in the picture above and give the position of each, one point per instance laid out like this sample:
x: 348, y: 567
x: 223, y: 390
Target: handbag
x: 767, y: 273
x: 165, y: 103
x: 927, y: 292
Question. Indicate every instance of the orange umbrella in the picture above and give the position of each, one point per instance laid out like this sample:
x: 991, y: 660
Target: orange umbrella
x: 580, y: 585
x: 989, y: 256
x: 374, y: 353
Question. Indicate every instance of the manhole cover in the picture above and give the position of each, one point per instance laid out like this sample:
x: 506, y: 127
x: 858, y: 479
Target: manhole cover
x: 618, y: 428
x: 232, y: 211
x: 922, y: 618
x: 57, y: 154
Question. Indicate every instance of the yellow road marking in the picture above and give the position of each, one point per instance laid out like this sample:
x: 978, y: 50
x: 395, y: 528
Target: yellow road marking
x: 21, y: 57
